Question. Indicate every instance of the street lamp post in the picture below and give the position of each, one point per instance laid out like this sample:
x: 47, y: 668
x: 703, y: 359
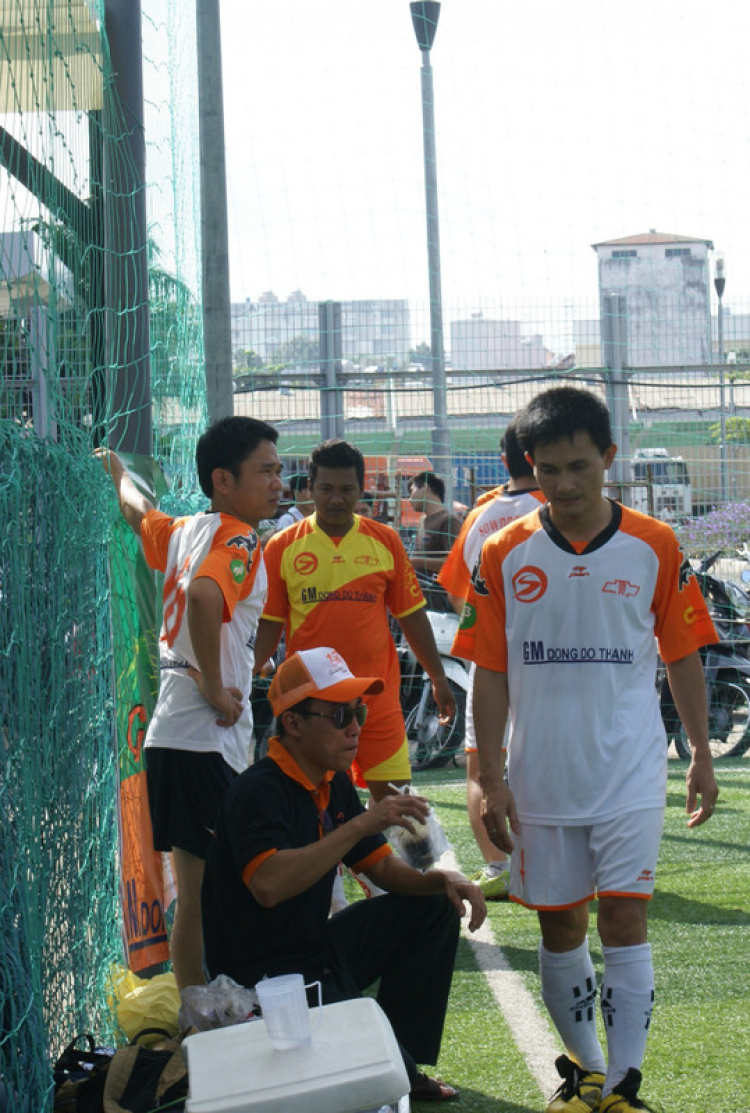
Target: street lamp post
x: 425, y: 16
x: 719, y: 283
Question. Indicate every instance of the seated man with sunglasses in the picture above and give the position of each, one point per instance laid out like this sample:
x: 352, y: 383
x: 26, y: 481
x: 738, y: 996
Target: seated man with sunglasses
x: 285, y: 824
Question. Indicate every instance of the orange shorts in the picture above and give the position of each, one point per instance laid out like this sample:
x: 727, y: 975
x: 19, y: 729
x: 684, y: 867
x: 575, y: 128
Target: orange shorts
x: 383, y: 753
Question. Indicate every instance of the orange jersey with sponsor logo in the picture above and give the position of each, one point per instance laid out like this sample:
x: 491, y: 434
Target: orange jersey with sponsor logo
x: 338, y: 593
x: 576, y: 630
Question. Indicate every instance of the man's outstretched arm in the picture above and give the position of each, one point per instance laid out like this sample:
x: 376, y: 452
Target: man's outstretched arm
x: 133, y: 505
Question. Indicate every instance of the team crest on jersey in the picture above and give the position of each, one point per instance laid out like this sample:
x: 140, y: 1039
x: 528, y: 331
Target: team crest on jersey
x: 305, y: 564
x: 621, y: 587
x: 529, y: 584
x: 369, y: 561
x: 246, y: 541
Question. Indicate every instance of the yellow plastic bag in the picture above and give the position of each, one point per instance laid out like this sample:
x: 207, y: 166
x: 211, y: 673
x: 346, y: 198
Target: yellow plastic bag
x: 146, y: 1003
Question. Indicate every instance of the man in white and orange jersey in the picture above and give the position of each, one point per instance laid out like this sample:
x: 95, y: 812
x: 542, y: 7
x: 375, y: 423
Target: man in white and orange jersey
x: 496, y: 509
x: 566, y: 608
x: 214, y: 589
x: 333, y: 579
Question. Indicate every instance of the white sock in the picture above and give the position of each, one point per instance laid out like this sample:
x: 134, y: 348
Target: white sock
x: 569, y: 992
x: 626, y: 1003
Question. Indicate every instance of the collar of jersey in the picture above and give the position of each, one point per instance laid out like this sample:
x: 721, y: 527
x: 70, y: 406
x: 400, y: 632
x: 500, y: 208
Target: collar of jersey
x: 596, y: 543
x: 320, y: 793
x: 335, y: 541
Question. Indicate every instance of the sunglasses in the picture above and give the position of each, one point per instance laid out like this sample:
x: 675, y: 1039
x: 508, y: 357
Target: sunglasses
x: 342, y: 715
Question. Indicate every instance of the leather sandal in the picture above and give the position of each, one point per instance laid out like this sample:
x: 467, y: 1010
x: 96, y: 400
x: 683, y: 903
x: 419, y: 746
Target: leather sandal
x: 432, y: 1089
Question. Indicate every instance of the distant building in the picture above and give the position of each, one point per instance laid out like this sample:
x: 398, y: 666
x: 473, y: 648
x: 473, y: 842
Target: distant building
x: 483, y: 345
x: 665, y: 281
x: 372, y: 331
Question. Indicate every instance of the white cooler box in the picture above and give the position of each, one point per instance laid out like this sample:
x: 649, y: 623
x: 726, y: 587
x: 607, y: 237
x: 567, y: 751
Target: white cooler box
x: 353, y: 1064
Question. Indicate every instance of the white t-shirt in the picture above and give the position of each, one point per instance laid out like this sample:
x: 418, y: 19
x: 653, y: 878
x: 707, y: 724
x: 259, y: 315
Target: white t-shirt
x: 288, y: 518
x: 227, y: 551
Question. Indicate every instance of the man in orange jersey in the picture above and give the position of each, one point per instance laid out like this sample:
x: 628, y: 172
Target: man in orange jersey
x: 519, y: 496
x: 333, y: 579
x: 564, y: 617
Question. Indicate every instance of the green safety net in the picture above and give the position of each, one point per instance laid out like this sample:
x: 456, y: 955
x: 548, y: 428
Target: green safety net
x: 80, y: 274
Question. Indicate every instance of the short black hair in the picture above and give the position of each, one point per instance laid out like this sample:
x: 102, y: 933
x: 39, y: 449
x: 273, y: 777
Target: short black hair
x: 515, y: 457
x: 226, y: 444
x: 429, y: 479
x: 560, y: 413
x: 337, y: 454
x: 299, y: 481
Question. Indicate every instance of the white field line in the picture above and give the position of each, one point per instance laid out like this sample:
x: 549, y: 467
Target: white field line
x: 530, y: 1029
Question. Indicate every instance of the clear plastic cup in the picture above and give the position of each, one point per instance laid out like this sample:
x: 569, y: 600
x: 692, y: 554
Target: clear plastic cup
x: 283, y: 1002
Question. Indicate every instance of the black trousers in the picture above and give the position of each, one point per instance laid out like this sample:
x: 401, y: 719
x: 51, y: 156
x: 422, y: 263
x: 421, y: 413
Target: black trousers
x: 409, y: 943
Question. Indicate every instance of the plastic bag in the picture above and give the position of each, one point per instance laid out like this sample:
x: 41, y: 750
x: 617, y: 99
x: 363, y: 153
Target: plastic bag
x: 217, y: 1005
x: 422, y: 849
x: 145, y: 1002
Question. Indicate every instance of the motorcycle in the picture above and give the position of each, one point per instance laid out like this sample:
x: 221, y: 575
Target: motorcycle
x: 726, y: 667
x: 433, y: 744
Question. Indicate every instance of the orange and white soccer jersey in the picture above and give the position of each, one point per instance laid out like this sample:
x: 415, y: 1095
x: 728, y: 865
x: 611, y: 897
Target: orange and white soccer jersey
x: 576, y: 632
x: 338, y: 592
x: 493, y: 512
x: 227, y: 551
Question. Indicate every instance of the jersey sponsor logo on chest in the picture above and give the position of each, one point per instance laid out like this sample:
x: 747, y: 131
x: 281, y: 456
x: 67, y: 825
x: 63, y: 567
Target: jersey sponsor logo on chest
x: 304, y: 564
x: 529, y: 584
x: 313, y: 594
x: 621, y: 587
x: 539, y: 652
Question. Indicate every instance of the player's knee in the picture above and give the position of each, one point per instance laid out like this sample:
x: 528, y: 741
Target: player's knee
x: 622, y: 921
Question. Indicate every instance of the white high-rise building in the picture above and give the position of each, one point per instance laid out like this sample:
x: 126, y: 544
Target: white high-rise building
x: 665, y: 281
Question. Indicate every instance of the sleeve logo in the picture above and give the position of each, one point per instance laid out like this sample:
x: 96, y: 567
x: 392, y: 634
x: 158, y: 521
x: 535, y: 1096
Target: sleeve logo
x: 246, y: 541
x: 686, y: 574
x: 304, y: 564
x: 477, y: 582
x: 468, y: 616
x: 237, y: 568
x: 529, y: 584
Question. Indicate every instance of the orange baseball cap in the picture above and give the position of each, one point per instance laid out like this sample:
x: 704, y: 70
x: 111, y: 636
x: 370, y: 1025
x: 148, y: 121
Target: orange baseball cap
x: 322, y: 673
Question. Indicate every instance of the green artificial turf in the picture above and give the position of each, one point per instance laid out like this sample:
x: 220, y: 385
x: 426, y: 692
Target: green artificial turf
x: 698, y: 1055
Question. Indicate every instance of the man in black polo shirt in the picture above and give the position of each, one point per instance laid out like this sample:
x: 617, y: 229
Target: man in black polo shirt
x: 285, y: 824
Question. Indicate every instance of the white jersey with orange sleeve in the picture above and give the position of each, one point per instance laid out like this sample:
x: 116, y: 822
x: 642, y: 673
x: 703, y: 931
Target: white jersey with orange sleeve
x: 493, y: 512
x: 576, y: 630
x: 227, y: 551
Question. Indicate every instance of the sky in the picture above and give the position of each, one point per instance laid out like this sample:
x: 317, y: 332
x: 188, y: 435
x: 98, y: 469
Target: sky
x: 557, y: 126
